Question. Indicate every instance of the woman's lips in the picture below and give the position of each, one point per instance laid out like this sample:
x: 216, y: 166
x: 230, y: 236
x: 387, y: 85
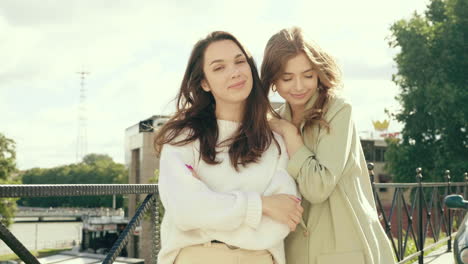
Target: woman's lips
x: 237, y: 84
x: 299, y: 96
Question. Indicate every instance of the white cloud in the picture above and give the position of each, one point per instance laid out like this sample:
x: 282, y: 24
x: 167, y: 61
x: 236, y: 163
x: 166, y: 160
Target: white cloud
x: 136, y: 52
x: 369, y: 99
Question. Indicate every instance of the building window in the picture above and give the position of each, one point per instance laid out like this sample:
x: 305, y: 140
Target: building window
x: 380, y: 154
x: 368, y: 148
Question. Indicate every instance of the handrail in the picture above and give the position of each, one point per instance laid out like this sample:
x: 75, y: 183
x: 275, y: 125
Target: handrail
x: 46, y: 190
x: 417, y: 212
x: 422, y: 215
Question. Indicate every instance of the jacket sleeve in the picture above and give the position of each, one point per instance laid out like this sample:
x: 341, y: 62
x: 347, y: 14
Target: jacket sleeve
x: 195, y: 206
x: 317, y: 174
x: 269, y: 232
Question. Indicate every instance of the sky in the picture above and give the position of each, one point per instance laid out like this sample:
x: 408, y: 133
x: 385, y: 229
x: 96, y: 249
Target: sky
x: 136, y: 53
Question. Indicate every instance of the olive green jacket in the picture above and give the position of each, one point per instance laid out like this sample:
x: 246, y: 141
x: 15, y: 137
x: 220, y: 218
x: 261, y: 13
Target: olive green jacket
x: 340, y: 222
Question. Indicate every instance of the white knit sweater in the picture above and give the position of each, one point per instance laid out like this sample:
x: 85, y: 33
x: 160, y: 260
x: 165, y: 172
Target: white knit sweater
x: 226, y: 204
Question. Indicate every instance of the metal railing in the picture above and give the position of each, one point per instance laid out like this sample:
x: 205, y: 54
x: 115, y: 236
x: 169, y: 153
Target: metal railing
x: 151, y: 201
x: 417, y: 212
x: 425, y: 216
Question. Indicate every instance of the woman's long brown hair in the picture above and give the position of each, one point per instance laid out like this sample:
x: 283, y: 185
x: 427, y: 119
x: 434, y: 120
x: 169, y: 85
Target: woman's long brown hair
x: 195, y: 113
x: 287, y: 44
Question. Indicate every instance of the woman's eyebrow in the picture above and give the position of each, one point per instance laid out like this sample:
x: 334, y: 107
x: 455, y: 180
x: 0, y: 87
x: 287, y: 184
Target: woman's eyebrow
x: 238, y: 55
x: 220, y: 60
x: 215, y: 61
x: 290, y: 73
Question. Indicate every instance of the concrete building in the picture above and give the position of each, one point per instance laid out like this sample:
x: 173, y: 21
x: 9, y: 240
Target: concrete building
x: 141, y: 162
x: 374, y: 151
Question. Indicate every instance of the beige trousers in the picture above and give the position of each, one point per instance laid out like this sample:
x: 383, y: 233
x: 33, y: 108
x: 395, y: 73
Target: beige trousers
x: 217, y: 253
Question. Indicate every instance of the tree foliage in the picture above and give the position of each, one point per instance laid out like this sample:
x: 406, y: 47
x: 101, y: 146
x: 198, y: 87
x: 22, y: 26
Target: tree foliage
x: 95, y: 169
x: 432, y: 74
x: 7, y: 171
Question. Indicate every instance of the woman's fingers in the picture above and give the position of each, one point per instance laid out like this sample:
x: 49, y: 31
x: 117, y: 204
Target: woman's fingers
x: 297, y: 203
x: 300, y: 208
x: 297, y: 210
x: 295, y: 198
x: 298, y: 215
x: 292, y: 225
x: 284, y: 208
x: 194, y: 173
x: 296, y: 218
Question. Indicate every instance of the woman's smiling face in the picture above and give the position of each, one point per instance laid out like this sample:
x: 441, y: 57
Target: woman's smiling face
x: 227, y: 73
x: 298, y: 83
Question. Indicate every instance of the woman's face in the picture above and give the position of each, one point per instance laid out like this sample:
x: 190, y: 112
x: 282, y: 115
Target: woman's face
x: 227, y: 73
x: 298, y: 82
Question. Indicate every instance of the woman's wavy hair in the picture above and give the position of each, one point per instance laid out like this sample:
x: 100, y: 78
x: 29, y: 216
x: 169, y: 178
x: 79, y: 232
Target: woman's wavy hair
x: 287, y: 44
x: 195, y: 113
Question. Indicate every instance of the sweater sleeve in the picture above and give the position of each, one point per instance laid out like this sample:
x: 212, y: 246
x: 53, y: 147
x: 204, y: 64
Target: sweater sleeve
x: 195, y: 206
x: 269, y: 232
x: 317, y: 174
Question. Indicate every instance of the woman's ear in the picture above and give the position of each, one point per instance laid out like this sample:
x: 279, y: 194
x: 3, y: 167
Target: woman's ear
x: 205, y: 86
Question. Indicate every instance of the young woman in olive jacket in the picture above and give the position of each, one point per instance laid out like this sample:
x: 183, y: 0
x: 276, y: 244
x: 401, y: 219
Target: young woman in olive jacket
x: 340, y: 223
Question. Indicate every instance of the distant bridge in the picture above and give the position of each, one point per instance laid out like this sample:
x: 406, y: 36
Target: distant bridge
x: 65, y: 212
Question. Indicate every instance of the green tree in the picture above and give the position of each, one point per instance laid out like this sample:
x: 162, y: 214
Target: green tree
x: 432, y: 73
x: 95, y: 169
x: 7, y: 171
x: 94, y: 159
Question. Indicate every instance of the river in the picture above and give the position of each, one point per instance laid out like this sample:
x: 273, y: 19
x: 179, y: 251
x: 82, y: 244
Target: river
x: 40, y: 235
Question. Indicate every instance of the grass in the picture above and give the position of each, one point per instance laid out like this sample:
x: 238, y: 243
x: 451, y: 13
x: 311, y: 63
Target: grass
x: 411, y: 247
x: 39, y: 254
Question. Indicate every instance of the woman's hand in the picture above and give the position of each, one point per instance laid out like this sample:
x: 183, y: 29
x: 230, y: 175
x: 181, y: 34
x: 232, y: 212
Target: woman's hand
x: 194, y: 173
x: 282, y: 126
x: 289, y: 132
x: 283, y: 208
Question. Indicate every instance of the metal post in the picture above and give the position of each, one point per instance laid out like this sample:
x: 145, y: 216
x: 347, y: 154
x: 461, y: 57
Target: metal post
x: 370, y: 168
x: 399, y: 224
x: 449, y: 231
x: 465, y: 177
x: 420, y: 216
x: 122, y: 241
x: 156, y: 229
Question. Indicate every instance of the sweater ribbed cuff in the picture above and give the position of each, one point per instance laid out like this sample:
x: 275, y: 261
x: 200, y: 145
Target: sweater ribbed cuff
x: 254, y: 210
x: 297, y: 160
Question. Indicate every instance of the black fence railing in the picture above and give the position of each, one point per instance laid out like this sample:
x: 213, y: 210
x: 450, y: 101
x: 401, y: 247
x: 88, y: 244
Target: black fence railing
x: 151, y: 201
x: 416, y: 212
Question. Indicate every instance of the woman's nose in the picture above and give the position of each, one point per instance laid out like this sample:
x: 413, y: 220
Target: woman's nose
x: 235, y: 73
x: 298, y: 86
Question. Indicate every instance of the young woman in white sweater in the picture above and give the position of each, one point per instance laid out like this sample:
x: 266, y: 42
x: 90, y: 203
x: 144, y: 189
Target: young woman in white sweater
x: 223, y: 179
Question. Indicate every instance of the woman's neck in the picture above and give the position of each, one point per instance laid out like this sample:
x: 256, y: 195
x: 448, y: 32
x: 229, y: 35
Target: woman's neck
x: 297, y: 114
x: 230, y: 112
